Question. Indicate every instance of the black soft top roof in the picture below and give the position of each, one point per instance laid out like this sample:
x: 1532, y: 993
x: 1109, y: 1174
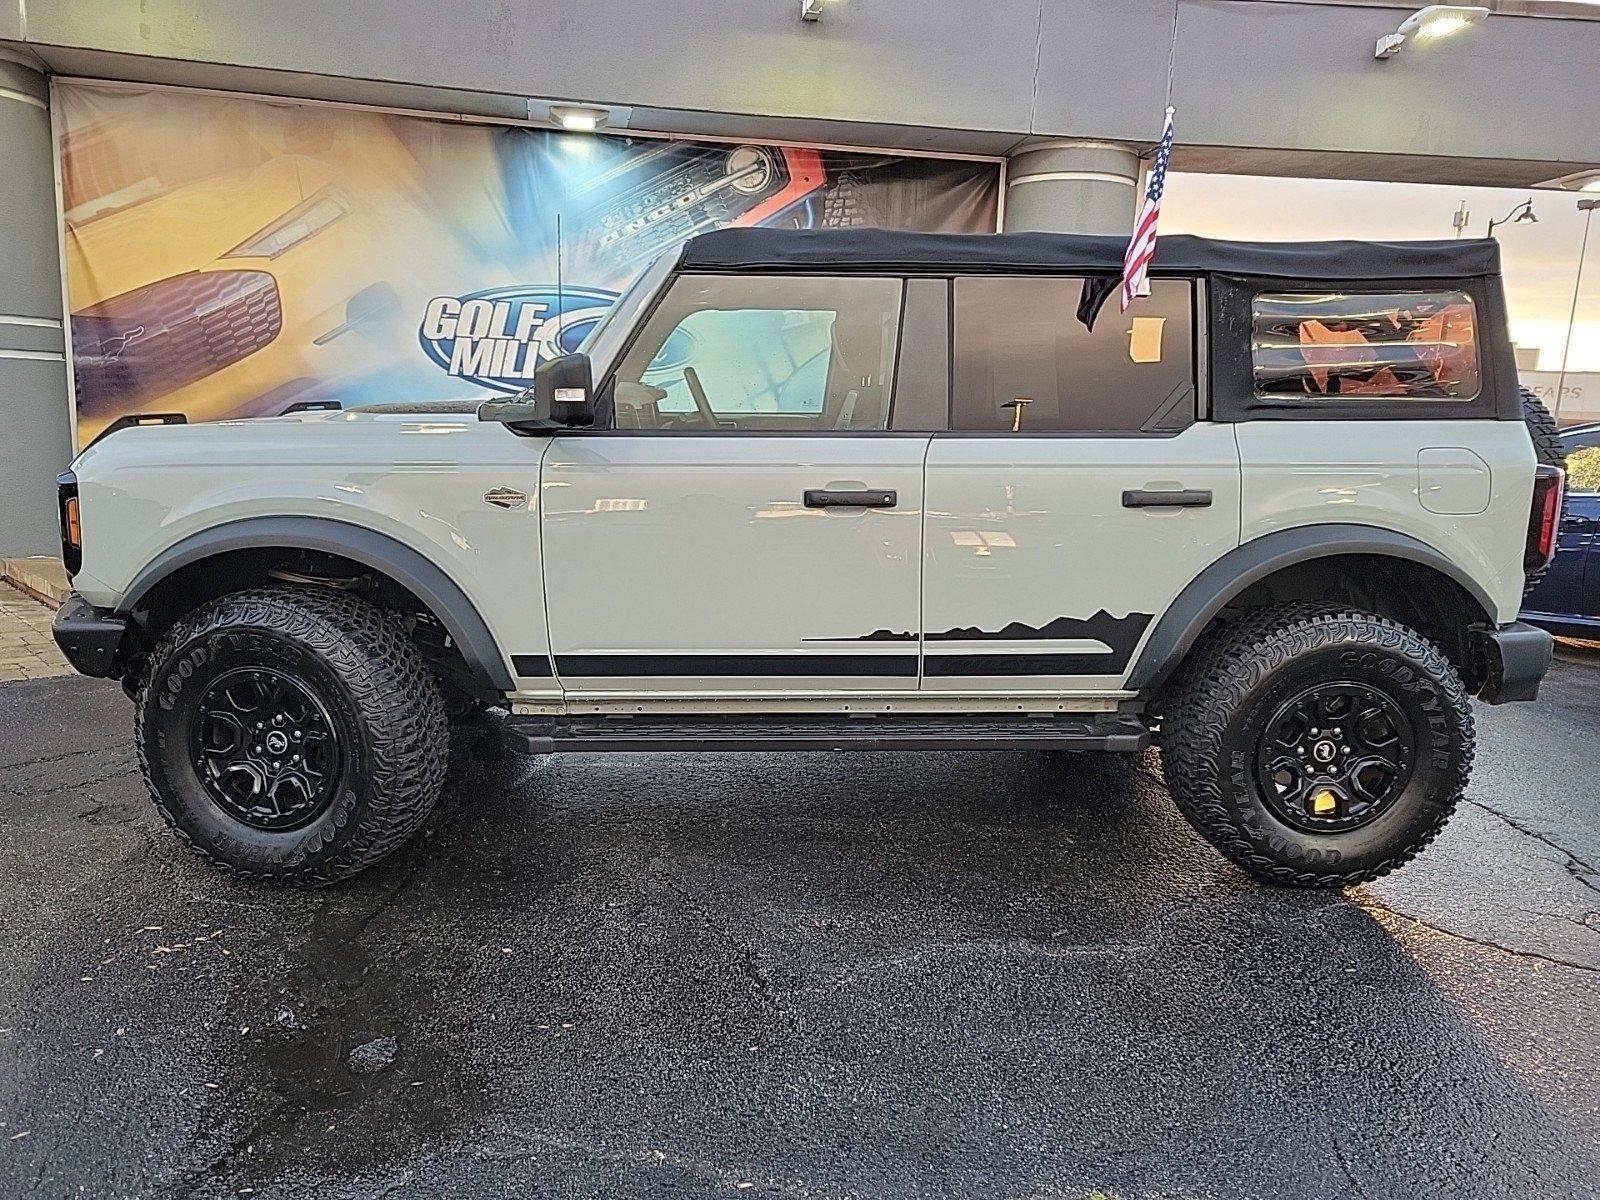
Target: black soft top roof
x: 754, y: 249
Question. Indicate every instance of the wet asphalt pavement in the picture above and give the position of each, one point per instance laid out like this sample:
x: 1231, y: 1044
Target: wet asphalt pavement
x: 810, y: 975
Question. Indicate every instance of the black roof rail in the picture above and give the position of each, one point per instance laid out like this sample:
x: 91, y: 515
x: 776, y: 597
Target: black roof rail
x: 130, y: 420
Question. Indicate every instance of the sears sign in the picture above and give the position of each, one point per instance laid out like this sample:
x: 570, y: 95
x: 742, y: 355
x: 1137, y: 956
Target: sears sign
x: 496, y: 338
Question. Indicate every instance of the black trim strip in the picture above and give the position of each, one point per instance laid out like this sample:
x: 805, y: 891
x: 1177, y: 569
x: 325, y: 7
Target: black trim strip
x: 1114, y: 663
x: 531, y: 666
x: 900, y: 666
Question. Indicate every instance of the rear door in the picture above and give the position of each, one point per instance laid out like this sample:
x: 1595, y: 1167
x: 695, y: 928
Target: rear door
x: 750, y: 524
x: 1075, y: 493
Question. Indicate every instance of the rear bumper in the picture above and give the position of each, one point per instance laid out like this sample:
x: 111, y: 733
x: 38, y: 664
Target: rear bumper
x: 1516, y: 657
x: 90, y: 637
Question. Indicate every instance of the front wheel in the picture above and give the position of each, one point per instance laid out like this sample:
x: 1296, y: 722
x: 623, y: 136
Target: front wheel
x: 291, y: 734
x: 1317, y: 747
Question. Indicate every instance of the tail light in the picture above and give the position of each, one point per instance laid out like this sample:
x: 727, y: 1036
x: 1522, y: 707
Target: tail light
x: 71, y: 522
x: 1544, y: 521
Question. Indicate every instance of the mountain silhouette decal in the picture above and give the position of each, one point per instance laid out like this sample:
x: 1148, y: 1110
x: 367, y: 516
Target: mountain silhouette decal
x: 1119, y: 634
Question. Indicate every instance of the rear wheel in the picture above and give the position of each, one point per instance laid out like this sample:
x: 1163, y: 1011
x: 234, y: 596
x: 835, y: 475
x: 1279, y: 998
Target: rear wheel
x: 291, y: 734
x: 1315, y: 746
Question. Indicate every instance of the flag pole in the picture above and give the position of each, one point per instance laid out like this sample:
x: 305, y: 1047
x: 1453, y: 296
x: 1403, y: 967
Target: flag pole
x: 1142, y: 240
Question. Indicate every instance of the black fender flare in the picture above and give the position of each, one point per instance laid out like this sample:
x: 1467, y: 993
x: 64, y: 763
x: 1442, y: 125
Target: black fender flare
x: 1220, y: 583
x: 406, y: 566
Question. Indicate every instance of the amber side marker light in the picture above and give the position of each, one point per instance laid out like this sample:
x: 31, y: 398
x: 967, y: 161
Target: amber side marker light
x: 71, y: 522
x: 1544, y: 519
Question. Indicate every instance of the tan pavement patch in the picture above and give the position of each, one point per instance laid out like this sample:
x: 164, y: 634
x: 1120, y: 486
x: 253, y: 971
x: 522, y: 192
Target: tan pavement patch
x: 27, y: 651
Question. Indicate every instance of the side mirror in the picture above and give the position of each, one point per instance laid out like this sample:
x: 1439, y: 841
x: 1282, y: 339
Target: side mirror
x: 563, y: 398
x: 563, y: 390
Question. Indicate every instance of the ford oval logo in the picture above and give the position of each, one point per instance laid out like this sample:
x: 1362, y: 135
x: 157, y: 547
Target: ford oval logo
x: 496, y: 338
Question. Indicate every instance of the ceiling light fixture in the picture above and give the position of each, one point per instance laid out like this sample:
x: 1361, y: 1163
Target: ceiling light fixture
x: 1579, y: 181
x: 811, y: 10
x: 1429, y: 25
x: 578, y: 118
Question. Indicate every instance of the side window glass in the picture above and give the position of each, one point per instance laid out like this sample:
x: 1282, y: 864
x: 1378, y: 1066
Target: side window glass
x: 775, y: 353
x: 1418, y: 345
x: 749, y: 360
x: 1583, y: 469
x: 1025, y: 361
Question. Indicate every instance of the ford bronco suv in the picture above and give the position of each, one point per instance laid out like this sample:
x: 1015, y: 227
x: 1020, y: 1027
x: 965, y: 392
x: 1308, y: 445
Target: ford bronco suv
x: 864, y: 489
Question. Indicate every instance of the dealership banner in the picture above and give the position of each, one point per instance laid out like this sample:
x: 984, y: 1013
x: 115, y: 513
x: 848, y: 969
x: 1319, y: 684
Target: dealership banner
x: 230, y: 256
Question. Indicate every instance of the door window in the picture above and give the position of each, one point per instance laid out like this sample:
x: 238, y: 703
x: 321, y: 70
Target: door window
x: 1026, y: 362
x: 774, y: 353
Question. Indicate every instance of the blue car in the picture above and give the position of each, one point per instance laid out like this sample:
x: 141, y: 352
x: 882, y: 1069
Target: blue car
x: 1567, y: 599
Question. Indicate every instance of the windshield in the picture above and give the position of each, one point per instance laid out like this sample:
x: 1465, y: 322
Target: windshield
x: 605, y: 341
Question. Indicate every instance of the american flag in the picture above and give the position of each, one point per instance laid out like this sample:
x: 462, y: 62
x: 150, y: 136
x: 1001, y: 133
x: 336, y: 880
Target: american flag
x: 1142, y: 245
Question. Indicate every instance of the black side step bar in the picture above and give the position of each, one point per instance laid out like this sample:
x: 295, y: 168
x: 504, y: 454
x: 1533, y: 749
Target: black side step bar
x: 789, y: 731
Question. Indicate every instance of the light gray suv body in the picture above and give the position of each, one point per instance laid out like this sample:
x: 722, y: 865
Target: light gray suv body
x: 806, y: 490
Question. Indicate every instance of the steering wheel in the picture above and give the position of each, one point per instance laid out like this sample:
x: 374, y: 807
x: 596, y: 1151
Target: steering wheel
x: 701, y: 404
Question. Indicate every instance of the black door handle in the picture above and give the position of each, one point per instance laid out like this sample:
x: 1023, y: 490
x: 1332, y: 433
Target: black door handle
x: 1178, y: 498
x: 869, y: 498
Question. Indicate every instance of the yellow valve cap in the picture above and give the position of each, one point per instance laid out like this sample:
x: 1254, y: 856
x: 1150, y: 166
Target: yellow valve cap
x: 1323, y: 802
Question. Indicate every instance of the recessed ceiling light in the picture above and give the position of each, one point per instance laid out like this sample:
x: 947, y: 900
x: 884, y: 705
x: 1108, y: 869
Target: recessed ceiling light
x: 578, y: 118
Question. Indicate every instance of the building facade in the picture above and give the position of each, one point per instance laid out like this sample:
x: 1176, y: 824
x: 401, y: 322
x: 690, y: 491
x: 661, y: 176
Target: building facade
x: 139, y: 138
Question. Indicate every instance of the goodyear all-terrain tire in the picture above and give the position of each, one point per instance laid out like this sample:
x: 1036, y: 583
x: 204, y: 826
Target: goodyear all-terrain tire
x: 1316, y: 746
x: 291, y: 734
x: 1542, y: 428
x: 1546, y: 448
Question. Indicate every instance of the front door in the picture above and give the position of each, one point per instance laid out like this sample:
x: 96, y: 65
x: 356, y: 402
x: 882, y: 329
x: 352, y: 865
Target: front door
x: 748, y: 524
x: 1075, y: 494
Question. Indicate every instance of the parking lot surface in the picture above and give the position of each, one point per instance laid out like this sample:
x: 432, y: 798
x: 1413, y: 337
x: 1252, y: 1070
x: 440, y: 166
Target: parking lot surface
x: 883, y: 975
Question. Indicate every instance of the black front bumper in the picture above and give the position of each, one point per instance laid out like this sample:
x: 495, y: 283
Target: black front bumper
x: 1515, y: 657
x: 90, y: 637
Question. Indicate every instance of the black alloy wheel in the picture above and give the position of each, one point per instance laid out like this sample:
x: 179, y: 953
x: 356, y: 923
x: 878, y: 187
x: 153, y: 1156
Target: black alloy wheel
x: 1334, y: 757
x: 266, y: 749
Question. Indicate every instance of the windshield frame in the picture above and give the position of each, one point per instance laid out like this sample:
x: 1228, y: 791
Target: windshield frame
x: 612, y: 333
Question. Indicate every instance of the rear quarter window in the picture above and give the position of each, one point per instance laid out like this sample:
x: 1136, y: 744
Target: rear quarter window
x: 1353, y: 346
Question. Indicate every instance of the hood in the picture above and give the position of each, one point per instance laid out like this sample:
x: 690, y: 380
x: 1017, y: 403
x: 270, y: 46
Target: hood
x: 392, y: 438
